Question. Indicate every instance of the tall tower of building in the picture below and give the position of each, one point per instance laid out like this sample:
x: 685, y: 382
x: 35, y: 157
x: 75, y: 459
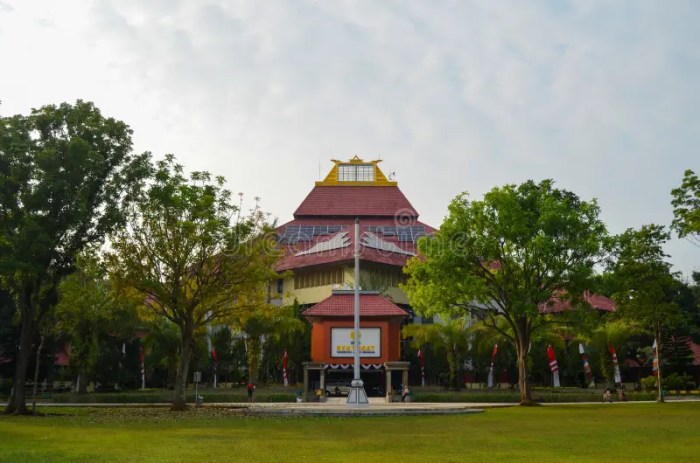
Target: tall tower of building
x: 318, y: 249
x: 318, y: 243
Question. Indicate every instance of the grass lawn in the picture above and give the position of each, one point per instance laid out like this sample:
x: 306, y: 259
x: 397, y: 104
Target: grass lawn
x: 620, y: 432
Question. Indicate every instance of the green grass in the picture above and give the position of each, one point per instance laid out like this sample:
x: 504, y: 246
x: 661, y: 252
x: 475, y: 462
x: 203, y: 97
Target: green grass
x: 595, y: 433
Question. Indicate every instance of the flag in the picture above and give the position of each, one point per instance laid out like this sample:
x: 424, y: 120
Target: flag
x: 655, y: 364
x: 493, y: 356
x: 285, y: 358
x: 143, y: 368
x: 553, y: 365
x: 215, y: 363
x: 616, y: 364
x: 421, y: 359
x: 586, y: 366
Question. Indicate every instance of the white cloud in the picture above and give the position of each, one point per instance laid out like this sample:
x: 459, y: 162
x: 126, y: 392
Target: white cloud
x: 453, y: 95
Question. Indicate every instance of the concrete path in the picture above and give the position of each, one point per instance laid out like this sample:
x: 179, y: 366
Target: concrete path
x: 337, y: 407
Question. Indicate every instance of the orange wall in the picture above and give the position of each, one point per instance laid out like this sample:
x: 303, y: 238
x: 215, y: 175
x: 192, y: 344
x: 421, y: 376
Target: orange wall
x: 321, y: 340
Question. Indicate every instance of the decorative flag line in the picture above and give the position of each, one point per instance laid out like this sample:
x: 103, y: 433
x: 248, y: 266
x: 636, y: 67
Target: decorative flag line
x: 493, y: 356
x: 284, y: 368
x: 422, y: 367
x: 214, y: 364
x: 553, y: 366
x: 616, y: 364
x: 143, y: 368
x: 655, y: 364
x: 586, y: 366
x: 345, y: 366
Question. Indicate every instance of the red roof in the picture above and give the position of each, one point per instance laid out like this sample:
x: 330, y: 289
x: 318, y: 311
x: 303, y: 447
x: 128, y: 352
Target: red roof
x: 290, y: 260
x: 62, y: 358
x: 596, y: 301
x: 696, y: 352
x: 356, y: 201
x: 342, y: 304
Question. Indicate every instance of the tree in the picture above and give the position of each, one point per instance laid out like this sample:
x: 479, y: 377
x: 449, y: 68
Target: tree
x: 263, y: 321
x: 192, y: 256
x: 646, y: 288
x: 610, y: 332
x: 506, y: 256
x: 66, y: 176
x: 89, y: 311
x: 452, y: 336
x: 686, y: 208
x: 286, y: 331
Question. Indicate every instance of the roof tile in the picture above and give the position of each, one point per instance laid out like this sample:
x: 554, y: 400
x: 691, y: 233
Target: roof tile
x: 342, y: 304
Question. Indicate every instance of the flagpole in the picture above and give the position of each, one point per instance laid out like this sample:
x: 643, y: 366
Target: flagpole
x: 357, y: 396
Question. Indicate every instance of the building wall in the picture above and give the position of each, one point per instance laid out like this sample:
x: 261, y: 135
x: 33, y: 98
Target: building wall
x: 321, y: 341
x: 315, y: 294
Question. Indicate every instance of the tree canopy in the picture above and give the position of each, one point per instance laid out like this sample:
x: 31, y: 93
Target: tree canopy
x: 506, y: 256
x: 192, y: 254
x: 67, y: 174
x: 646, y: 289
x: 686, y: 208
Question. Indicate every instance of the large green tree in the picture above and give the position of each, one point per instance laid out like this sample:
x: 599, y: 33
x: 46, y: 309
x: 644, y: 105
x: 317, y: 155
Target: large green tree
x: 647, y: 290
x: 66, y: 176
x: 505, y: 257
x: 192, y: 255
x: 686, y: 208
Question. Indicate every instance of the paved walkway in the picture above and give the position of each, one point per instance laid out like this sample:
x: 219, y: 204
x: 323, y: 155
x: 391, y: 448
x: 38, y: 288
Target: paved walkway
x: 337, y: 407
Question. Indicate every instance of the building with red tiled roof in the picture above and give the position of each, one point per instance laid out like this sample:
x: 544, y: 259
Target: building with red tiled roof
x: 318, y: 244
x: 340, y: 304
x: 318, y: 248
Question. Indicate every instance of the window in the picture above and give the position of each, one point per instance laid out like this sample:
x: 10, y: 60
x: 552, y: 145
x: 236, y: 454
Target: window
x: 356, y: 173
x: 314, y: 278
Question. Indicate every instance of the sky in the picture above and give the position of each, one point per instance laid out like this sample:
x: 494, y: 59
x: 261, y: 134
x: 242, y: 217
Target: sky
x: 453, y: 96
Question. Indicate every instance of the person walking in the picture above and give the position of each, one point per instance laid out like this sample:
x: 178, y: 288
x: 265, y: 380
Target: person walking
x: 251, y: 388
x: 405, y: 393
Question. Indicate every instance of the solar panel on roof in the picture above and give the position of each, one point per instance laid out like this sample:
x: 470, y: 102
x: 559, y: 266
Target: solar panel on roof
x: 296, y: 233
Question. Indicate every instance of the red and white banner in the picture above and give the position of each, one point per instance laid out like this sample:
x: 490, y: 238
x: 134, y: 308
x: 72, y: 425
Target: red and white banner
x: 616, y: 364
x: 422, y: 367
x: 655, y: 364
x: 214, y: 364
x: 586, y: 366
x: 493, y: 356
x: 285, y: 358
x: 553, y: 366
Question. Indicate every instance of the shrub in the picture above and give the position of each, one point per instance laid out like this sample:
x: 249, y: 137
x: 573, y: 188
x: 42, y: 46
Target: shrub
x: 676, y: 382
x: 648, y: 383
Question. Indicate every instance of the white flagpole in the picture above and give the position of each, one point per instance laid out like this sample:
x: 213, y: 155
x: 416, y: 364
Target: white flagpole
x: 357, y: 395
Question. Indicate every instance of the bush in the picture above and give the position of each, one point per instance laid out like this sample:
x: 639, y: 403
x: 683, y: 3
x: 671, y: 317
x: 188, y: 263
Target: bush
x: 165, y: 396
x: 545, y: 396
x: 676, y: 382
x: 649, y: 383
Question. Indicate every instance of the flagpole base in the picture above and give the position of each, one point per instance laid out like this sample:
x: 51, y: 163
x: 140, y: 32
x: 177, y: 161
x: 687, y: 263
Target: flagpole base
x: 357, y: 396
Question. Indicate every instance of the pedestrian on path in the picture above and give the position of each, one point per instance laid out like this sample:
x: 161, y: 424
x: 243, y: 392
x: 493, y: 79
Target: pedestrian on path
x: 405, y: 393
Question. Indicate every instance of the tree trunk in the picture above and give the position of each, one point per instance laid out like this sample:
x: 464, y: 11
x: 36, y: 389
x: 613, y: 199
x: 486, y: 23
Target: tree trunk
x: 253, y: 347
x: 36, y: 371
x: 522, y: 343
x: 452, y: 363
x: 18, y: 402
x: 186, y: 349
x: 82, y: 382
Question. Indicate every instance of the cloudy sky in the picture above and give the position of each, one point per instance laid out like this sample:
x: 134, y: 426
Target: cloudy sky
x: 453, y: 95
